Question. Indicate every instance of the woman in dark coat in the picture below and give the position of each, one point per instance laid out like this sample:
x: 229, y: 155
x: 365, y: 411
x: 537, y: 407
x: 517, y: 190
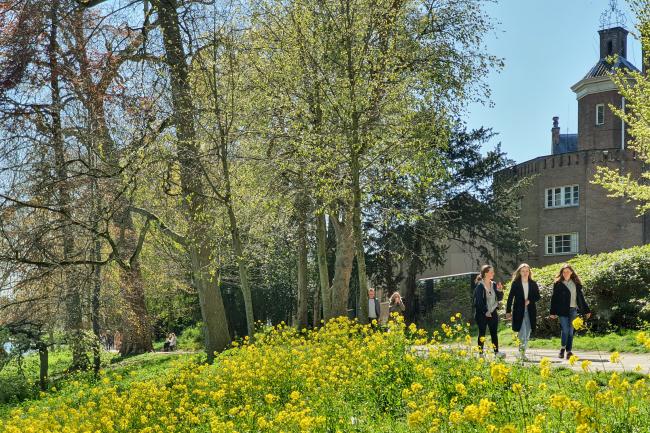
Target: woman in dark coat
x: 487, y: 296
x: 566, y: 303
x: 521, y: 306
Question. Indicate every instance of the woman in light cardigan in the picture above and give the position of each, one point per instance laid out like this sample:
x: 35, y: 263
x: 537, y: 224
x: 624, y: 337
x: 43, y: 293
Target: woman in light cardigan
x: 487, y: 295
x: 521, y: 306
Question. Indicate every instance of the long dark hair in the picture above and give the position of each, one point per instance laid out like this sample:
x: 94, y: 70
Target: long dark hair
x: 484, y: 270
x: 574, y: 276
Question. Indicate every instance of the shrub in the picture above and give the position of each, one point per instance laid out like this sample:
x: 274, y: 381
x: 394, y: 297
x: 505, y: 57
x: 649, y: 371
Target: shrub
x: 616, y: 286
x: 192, y: 338
x: 15, y: 388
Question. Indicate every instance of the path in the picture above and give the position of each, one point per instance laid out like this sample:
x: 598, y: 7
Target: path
x: 599, y: 360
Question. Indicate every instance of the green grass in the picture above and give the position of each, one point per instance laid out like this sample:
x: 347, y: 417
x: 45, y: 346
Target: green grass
x: 621, y: 341
x: 18, y: 389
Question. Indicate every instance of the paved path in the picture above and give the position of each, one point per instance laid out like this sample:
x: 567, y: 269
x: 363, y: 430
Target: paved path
x: 599, y: 360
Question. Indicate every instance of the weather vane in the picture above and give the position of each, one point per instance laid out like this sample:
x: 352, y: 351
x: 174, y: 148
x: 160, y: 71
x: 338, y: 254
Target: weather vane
x: 612, y: 16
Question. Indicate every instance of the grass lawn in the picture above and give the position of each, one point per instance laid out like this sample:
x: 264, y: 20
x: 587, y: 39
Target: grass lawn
x: 622, y: 341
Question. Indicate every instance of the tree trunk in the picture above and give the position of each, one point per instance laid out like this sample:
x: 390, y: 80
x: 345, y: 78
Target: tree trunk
x: 237, y: 246
x: 317, y: 311
x: 414, y: 266
x: 43, y: 357
x: 213, y: 312
x: 136, y: 326
x: 96, y: 270
x: 340, y: 289
x: 73, y: 322
x: 358, y: 242
x: 323, y: 271
x: 303, y: 289
x: 243, y: 272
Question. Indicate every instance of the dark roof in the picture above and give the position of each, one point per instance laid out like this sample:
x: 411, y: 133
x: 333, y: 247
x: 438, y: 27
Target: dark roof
x: 568, y: 143
x: 603, y: 67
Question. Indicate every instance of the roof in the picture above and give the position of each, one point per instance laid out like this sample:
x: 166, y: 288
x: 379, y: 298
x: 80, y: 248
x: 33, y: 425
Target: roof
x: 604, y: 68
x: 568, y: 143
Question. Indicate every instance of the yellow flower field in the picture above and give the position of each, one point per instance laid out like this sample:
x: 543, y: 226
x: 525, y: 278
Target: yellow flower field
x: 345, y: 377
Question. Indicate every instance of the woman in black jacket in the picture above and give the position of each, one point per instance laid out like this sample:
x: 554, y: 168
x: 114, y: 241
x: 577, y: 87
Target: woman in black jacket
x: 521, y: 306
x: 487, y: 295
x: 567, y: 302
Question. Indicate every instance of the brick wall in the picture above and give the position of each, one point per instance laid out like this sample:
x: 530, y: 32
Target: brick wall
x: 602, y: 223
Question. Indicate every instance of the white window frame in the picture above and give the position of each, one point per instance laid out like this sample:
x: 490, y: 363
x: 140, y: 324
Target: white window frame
x: 552, y: 250
x: 600, y: 107
x: 558, y: 196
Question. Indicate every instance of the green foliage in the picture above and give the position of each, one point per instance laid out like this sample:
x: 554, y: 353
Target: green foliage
x: 343, y: 377
x: 635, y: 88
x: 449, y: 296
x: 192, y: 338
x: 616, y: 286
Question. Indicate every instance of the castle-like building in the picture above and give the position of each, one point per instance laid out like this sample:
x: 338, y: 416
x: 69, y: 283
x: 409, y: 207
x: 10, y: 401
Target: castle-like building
x: 562, y: 212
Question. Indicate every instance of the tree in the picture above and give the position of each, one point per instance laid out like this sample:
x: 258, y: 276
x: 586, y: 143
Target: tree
x: 452, y: 193
x: 349, y: 79
x: 635, y: 88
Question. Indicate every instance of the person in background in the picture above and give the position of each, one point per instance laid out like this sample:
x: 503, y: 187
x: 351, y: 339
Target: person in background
x: 172, y: 341
x: 374, y: 309
x: 396, y: 304
x: 117, y: 341
x: 521, y: 306
x: 567, y: 302
x: 168, y: 343
x: 487, y: 295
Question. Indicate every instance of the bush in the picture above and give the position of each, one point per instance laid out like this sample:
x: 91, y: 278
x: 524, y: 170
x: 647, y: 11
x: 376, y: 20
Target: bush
x: 616, y: 286
x: 14, y: 389
x: 192, y: 338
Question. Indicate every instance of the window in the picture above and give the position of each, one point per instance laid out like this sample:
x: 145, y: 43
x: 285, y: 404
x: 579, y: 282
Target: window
x: 565, y: 243
x: 562, y: 196
x: 600, y: 114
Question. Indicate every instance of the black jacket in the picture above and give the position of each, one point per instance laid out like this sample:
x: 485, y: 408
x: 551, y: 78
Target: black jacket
x: 480, y: 300
x: 561, y: 300
x: 516, y: 297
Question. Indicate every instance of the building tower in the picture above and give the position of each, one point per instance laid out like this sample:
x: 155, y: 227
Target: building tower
x: 598, y: 126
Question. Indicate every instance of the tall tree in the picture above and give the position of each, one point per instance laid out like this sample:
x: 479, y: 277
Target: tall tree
x: 351, y: 76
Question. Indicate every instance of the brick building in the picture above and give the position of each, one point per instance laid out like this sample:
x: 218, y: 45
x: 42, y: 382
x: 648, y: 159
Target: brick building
x: 563, y: 213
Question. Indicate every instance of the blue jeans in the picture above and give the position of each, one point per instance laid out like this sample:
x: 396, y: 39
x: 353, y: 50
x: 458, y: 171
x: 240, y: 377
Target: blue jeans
x: 566, y: 323
x: 524, y: 332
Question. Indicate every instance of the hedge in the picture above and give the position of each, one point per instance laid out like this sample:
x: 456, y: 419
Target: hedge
x: 616, y: 286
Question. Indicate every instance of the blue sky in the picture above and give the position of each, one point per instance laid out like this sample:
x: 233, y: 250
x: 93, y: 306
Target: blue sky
x: 547, y: 46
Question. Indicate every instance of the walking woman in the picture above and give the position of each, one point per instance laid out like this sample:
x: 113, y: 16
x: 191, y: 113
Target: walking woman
x: 521, y: 306
x: 487, y: 295
x: 396, y: 304
x: 567, y: 302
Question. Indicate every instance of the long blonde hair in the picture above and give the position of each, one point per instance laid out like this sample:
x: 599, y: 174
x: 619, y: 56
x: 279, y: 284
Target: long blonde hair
x: 516, y: 275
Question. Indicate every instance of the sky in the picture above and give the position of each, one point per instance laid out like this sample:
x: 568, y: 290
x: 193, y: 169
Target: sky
x: 547, y: 46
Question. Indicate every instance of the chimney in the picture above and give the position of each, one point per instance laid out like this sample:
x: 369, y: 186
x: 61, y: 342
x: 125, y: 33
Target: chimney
x: 613, y: 41
x: 555, y: 133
